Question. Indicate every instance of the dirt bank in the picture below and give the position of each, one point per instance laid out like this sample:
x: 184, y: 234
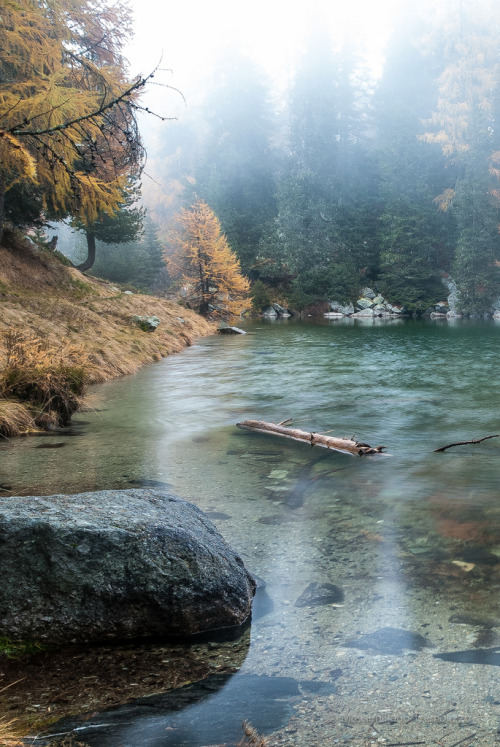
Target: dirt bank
x: 68, y: 313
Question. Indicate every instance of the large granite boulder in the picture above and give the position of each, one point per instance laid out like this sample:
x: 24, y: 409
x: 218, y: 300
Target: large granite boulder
x: 364, y: 303
x: 453, y: 295
x: 120, y: 564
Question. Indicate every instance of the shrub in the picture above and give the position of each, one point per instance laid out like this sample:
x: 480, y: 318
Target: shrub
x: 261, y: 296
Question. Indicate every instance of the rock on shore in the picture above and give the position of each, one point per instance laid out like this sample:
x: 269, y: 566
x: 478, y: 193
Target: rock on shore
x: 120, y: 564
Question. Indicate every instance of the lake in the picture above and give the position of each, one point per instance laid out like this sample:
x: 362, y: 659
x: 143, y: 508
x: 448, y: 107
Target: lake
x: 378, y: 613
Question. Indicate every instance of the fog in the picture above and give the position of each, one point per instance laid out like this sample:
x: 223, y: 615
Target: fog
x: 340, y: 146
x: 189, y: 36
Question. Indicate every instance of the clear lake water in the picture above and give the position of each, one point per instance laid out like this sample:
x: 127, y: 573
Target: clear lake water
x: 377, y: 620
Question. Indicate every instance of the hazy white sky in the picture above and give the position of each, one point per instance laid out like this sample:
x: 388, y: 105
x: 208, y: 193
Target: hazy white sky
x: 190, y: 33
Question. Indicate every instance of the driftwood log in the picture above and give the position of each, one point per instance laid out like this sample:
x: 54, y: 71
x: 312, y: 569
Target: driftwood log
x: 345, y: 445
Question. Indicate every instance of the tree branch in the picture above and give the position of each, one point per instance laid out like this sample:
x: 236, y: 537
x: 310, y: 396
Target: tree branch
x: 462, y: 443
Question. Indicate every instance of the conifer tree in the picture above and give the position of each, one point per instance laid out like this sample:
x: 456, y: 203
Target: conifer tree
x: 67, y: 110
x: 199, y: 256
x: 465, y: 124
x: 234, y: 168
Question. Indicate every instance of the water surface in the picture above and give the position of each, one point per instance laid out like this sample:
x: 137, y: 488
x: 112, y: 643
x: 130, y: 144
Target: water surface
x: 406, y: 648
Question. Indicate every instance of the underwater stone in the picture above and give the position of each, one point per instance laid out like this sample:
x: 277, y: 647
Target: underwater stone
x: 390, y: 641
x: 316, y: 595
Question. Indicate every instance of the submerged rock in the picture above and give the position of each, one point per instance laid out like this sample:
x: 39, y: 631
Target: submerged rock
x: 210, y: 711
x: 231, y: 331
x: 316, y: 595
x: 119, y: 564
x: 390, y: 641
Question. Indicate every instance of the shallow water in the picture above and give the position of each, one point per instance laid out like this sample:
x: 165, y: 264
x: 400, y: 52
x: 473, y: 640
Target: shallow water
x: 382, y: 573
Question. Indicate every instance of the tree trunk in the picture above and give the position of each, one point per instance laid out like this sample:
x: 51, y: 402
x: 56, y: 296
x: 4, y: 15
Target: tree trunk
x: 344, y: 445
x: 89, y: 262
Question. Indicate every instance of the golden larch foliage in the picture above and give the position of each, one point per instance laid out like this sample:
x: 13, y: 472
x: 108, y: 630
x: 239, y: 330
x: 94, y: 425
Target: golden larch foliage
x: 60, y: 72
x: 200, y: 257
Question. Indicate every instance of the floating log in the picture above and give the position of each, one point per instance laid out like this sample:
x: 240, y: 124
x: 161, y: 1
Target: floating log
x: 345, y: 445
x: 463, y: 443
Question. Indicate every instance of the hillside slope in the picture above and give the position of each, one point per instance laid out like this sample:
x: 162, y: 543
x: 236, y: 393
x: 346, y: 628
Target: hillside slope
x: 54, y: 312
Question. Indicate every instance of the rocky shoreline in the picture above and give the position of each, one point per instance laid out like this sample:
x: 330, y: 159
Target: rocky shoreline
x: 372, y: 305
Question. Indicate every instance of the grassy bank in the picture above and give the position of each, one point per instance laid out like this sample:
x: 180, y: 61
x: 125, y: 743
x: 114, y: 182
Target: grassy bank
x: 61, y: 331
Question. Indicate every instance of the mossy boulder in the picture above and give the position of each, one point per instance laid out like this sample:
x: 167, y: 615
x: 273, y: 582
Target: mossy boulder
x: 146, y: 323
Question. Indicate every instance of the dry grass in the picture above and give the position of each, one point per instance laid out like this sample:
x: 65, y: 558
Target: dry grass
x: 49, y: 380
x: 7, y: 736
x: 59, y: 328
x: 15, y: 419
x: 251, y: 738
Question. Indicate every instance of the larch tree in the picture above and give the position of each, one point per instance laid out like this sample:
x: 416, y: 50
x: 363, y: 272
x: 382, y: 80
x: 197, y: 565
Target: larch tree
x: 67, y: 110
x: 199, y: 256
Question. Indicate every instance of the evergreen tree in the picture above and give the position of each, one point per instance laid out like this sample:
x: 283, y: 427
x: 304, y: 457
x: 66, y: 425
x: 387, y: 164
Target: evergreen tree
x: 413, y: 238
x: 235, y: 168
x: 136, y: 262
x: 123, y: 226
x: 466, y: 126
x: 326, y: 204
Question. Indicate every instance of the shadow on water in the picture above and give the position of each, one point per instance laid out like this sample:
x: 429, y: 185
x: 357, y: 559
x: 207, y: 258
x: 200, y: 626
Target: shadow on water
x: 201, y: 713
x: 490, y: 656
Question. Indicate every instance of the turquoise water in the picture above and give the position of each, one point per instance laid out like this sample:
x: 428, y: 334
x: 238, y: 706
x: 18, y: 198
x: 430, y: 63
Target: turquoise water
x: 411, y: 539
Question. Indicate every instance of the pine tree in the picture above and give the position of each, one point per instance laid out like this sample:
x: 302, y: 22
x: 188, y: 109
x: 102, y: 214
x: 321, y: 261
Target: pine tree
x: 123, y: 226
x: 200, y: 257
x: 412, y: 235
x: 326, y: 206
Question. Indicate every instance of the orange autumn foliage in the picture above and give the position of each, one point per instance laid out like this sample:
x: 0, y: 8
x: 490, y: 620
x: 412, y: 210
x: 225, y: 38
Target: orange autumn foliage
x: 67, y: 122
x: 200, y: 257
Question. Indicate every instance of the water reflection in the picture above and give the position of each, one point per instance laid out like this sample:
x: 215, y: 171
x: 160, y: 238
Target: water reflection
x: 411, y: 540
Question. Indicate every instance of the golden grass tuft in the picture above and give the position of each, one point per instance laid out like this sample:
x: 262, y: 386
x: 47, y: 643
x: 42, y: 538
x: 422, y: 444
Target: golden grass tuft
x: 15, y: 420
x: 7, y: 736
x: 50, y: 380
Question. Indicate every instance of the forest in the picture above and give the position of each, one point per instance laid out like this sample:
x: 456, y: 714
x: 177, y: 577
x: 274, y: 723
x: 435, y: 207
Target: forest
x: 336, y: 181
x: 324, y: 183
